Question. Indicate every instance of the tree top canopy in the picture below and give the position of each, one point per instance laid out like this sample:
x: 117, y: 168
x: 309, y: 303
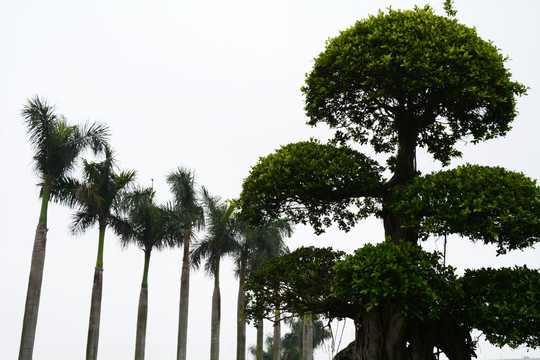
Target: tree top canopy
x: 411, y: 73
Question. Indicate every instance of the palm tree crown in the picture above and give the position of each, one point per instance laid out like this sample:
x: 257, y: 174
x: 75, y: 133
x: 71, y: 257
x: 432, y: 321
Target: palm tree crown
x: 57, y: 144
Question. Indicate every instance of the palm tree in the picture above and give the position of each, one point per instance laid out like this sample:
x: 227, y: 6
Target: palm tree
x: 98, y: 197
x: 219, y: 241
x: 147, y: 229
x: 189, y: 214
x: 255, y: 244
x: 57, y: 145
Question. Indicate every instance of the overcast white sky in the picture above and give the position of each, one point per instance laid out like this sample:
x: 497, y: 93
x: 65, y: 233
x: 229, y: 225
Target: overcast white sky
x: 209, y: 85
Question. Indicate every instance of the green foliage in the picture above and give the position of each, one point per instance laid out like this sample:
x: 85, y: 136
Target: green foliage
x: 411, y: 74
x: 146, y: 221
x: 504, y: 304
x: 311, y: 182
x: 483, y: 203
x: 401, y: 277
x: 57, y: 144
x: 296, y: 283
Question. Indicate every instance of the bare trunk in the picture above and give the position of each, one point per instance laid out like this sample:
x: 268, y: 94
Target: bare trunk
x: 141, y: 324
x: 184, y: 304
x: 277, y: 337
x: 95, y: 304
x: 142, y: 315
x: 216, y: 319
x: 307, y: 336
x: 241, y: 323
x: 404, y: 172
x: 95, y: 315
x: 33, y: 293
x: 260, y: 339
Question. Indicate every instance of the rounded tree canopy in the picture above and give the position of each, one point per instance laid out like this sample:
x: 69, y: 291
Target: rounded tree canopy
x: 480, y: 202
x: 312, y: 182
x: 411, y: 73
x: 504, y: 304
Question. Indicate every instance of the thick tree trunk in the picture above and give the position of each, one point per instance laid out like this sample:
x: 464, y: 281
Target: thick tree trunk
x: 241, y: 322
x: 307, y: 336
x: 277, y: 336
x: 142, y: 315
x: 95, y: 304
x: 381, y: 335
x: 95, y: 315
x: 404, y: 172
x: 184, y: 305
x: 33, y: 293
x: 216, y: 320
x: 260, y: 339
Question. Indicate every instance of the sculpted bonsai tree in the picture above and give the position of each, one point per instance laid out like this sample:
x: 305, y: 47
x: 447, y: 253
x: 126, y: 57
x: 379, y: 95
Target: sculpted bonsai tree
x: 399, y: 81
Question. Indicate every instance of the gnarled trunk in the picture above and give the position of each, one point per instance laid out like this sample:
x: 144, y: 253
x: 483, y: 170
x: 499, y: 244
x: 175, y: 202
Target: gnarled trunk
x: 184, y: 305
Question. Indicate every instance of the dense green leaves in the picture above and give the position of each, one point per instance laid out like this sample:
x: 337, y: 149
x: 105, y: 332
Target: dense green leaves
x: 312, y: 182
x: 403, y: 277
x: 411, y: 73
x: 295, y: 283
x: 483, y: 203
x: 504, y: 304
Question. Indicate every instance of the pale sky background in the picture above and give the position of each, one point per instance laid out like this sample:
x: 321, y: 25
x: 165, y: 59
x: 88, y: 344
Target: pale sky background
x: 212, y: 86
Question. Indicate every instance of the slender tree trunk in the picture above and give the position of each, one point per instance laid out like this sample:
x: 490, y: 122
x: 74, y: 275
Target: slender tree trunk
x: 216, y: 318
x: 277, y: 336
x: 95, y: 304
x: 241, y: 322
x: 34, y: 282
x: 142, y: 315
x: 260, y: 339
x: 184, y: 305
x: 307, y: 336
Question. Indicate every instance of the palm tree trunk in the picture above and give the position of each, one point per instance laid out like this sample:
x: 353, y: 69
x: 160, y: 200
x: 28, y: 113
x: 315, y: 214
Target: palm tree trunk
x: 34, y: 282
x: 260, y: 339
x: 216, y: 317
x: 241, y: 322
x: 184, y: 304
x: 95, y: 305
x: 277, y: 336
x: 140, y: 340
x: 307, y: 335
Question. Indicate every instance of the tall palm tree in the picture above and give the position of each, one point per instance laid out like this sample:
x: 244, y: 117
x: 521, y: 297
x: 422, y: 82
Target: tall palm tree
x: 219, y: 241
x: 56, y: 145
x: 147, y: 229
x: 97, y: 197
x: 189, y: 215
x: 255, y: 244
